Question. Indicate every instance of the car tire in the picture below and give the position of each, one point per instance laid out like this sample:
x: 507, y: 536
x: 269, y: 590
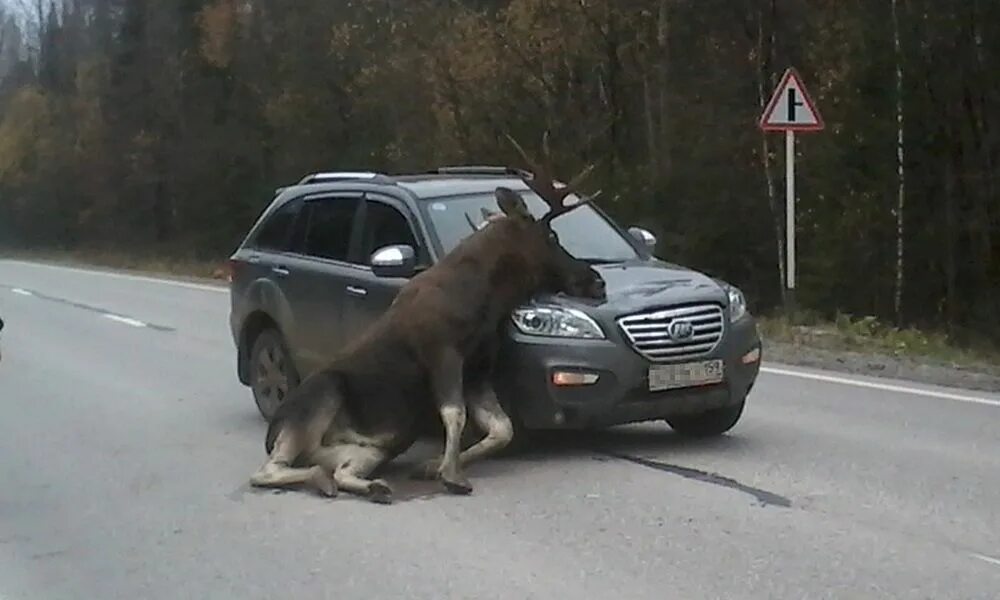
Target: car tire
x: 272, y: 374
x: 710, y: 423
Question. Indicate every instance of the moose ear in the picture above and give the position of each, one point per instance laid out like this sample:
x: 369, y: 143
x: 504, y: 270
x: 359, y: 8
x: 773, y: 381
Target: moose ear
x: 512, y: 204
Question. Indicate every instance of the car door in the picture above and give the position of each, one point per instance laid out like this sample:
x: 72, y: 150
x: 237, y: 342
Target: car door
x: 385, y: 221
x: 261, y: 260
x: 316, y: 273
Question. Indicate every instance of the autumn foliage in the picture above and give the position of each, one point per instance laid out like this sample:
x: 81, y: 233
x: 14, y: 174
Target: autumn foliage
x: 166, y: 125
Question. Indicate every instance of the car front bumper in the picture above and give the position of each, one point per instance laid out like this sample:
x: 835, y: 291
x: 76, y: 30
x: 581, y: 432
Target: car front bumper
x: 621, y: 394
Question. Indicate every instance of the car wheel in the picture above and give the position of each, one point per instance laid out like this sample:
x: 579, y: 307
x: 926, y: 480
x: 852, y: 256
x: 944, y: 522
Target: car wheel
x: 709, y: 423
x: 272, y: 374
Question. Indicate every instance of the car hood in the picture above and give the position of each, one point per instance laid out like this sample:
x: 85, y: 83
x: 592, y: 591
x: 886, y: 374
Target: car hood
x: 635, y: 285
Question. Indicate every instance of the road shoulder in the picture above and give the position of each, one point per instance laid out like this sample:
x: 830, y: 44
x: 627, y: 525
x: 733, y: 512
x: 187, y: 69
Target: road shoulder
x: 925, y: 371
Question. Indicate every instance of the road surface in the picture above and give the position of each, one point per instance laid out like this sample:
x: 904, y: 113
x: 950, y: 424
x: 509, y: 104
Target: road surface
x: 126, y: 443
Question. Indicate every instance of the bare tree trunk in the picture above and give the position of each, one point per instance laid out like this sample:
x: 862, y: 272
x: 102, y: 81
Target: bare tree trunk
x: 663, y: 48
x: 900, y: 171
x: 651, y: 134
x: 951, y: 292
x: 765, y: 158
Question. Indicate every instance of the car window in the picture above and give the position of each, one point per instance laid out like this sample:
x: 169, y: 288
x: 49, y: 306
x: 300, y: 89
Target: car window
x: 384, y: 226
x: 583, y: 232
x: 275, y: 234
x: 328, y: 231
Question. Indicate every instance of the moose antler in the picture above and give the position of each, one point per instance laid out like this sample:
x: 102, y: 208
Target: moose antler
x: 543, y: 184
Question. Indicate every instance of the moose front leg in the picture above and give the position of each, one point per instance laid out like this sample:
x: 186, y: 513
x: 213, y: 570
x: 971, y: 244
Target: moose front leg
x: 447, y: 385
x: 489, y: 416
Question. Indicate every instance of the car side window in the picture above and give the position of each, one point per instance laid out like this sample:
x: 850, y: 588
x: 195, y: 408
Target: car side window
x: 328, y: 232
x: 384, y: 226
x: 275, y: 234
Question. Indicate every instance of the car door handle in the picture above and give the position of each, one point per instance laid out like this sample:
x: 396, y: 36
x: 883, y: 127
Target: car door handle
x: 280, y: 271
x: 356, y: 291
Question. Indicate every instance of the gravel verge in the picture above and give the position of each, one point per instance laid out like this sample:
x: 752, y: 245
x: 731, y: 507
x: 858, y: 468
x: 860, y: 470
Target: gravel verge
x: 981, y: 377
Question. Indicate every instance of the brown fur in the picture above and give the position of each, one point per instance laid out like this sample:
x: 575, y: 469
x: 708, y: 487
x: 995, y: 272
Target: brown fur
x: 431, y: 352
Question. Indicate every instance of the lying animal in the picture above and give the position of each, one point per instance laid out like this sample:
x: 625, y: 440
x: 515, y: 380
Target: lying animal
x: 364, y: 409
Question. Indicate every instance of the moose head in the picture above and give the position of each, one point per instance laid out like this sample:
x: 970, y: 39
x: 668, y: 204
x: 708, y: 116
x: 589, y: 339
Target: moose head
x: 558, y: 271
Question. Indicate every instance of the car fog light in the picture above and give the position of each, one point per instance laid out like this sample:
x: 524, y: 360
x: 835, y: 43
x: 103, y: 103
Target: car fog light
x: 571, y: 378
x: 751, y: 357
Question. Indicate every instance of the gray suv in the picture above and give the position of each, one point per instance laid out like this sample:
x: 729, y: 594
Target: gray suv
x: 328, y: 255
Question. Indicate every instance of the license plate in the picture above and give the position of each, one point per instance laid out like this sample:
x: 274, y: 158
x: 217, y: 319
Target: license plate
x: 669, y: 377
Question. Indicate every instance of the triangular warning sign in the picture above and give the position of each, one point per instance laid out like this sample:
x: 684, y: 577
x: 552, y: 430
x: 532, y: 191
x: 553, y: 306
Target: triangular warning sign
x: 791, y: 108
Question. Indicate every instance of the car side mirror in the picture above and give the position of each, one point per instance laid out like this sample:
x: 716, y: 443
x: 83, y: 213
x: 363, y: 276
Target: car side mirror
x: 394, y: 261
x: 644, y: 237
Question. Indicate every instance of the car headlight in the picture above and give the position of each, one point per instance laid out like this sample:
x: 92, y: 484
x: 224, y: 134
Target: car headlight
x: 556, y: 321
x: 737, y: 304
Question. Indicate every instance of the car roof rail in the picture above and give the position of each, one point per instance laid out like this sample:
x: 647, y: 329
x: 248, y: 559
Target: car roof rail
x: 480, y: 170
x: 333, y: 176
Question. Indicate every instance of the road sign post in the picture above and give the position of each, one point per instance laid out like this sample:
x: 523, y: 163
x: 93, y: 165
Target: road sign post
x: 790, y: 110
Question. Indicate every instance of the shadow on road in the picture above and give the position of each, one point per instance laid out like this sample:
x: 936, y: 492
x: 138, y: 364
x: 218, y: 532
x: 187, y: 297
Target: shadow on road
x: 646, y: 445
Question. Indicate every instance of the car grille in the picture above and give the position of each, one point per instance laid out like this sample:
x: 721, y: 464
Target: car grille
x: 649, y: 332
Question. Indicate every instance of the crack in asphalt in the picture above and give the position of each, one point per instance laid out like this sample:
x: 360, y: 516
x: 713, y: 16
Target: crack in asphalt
x: 87, y: 307
x: 765, y: 497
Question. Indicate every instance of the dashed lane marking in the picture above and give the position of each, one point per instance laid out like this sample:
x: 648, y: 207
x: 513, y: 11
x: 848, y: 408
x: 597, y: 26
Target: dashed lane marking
x: 94, y: 309
x: 984, y: 558
x: 125, y: 320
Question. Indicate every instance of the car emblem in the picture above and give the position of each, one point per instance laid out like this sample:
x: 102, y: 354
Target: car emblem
x: 680, y: 330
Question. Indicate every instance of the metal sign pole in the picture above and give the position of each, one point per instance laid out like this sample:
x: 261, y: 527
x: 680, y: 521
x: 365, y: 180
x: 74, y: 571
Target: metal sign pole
x: 790, y: 110
x: 790, y: 214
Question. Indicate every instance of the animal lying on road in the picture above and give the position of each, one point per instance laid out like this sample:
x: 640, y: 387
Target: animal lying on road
x: 431, y: 352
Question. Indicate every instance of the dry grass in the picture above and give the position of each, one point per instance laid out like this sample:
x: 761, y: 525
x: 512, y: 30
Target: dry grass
x: 871, y: 336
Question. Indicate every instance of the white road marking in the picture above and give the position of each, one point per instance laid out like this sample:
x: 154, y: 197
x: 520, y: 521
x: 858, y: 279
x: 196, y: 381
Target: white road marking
x: 183, y: 284
x: 21, y: 292
x: 885, y: 387
x: 126, y: 320
x: 772, y: 370
x: 989, y: 559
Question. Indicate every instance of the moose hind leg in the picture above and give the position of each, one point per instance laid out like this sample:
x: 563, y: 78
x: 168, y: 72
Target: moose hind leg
x: 351, y: 464
x: 277, y: 472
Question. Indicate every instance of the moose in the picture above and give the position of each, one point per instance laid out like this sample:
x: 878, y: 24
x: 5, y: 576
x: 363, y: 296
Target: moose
x: 431, y: 354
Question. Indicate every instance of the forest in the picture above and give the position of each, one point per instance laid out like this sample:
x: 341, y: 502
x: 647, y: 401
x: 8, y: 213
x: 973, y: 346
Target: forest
x: 164, y: 126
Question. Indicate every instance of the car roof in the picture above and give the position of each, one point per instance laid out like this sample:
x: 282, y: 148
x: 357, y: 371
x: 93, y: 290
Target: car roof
x: 437, y: 186
x: 439, y: 183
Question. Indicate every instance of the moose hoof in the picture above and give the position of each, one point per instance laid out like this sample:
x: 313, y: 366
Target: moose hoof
x: 379, y: 492
x: 323, y: 483
x: 457, y: 485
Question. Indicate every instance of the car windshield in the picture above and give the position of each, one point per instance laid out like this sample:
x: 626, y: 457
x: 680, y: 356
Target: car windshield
x: 583, y: 232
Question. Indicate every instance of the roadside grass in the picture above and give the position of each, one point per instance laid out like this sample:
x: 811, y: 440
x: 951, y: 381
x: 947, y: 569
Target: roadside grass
x: 869, y: 335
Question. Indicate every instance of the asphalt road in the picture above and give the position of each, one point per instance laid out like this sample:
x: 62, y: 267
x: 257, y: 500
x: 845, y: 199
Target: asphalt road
x: 126, y: 443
